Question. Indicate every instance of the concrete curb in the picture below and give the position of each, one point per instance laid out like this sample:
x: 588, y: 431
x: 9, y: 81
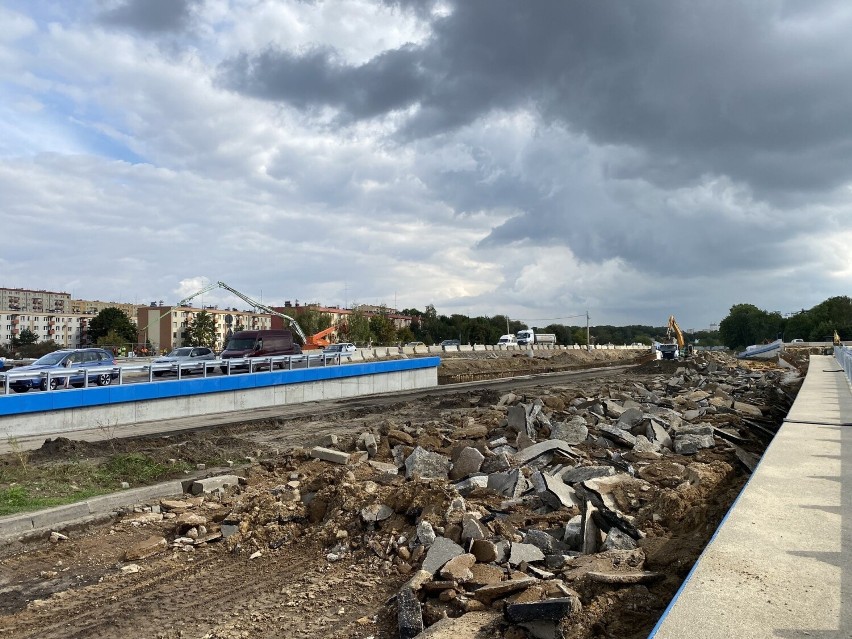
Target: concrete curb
x: 30, y: 525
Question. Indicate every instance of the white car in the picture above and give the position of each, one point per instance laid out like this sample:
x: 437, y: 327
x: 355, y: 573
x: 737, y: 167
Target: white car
x: 345, y: 349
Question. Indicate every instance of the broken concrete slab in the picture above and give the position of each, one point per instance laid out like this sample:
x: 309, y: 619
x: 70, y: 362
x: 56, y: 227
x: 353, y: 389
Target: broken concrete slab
x: 630, y: 418
x: 487, y: 594
x: 655, y: 432
x: 458, y: 568
x: 409, y: 614
x: 617, y: 540
x: 549, y: 446
x: 471, y: 625
x: 509, y: 484
x: 520, y: 419
x: 210, y: 484
x: 520, y: 552
x: 467, y: 486
x: 574, y: 431
x: 367, y: 441
x: 384, y: 468
x: 329, y: 455
x: 688, y: 444
x: 545, y: 542
x: 472, y: 528
x: 582, y: 473
x: 440, y: 552
x: 554, y: 491
x: 618, y: 435
x: 549, y: 609
x: 748, y: 409
x: 427, y: 465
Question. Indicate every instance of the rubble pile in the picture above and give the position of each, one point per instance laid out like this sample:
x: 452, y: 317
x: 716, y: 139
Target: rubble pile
x: 529, y: 515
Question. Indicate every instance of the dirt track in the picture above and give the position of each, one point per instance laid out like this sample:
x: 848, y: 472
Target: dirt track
x: 225, y: 589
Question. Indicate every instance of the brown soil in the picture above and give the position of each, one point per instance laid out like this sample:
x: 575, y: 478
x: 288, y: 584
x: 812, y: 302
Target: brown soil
x: 320, y: 570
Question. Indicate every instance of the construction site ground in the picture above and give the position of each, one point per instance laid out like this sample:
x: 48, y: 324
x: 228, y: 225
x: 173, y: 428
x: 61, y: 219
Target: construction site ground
x: 321, y: 568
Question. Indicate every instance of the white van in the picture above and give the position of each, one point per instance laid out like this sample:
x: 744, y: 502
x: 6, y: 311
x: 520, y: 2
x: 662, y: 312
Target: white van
x: 507, y: 340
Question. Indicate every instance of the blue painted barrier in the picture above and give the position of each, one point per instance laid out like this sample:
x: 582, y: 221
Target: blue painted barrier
x: 41, y: 401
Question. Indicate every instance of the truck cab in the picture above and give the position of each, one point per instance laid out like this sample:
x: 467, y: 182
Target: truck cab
x: 668, y: 351
x: 526, y: 336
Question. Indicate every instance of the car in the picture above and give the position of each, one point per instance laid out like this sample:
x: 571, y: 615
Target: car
x: 797, y: 341
x: 413, y: 344
x: 184, y: 355
x: 450, y: 342
x: 345, y: 349
x: 59, y: 360
x: 262, y: 343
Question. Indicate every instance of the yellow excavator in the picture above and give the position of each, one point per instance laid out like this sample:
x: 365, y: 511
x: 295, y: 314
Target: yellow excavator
x: 676, y: 346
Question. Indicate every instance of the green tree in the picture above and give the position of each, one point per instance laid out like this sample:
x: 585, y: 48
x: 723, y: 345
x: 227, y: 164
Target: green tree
x: 201, y: 330
x: 112, y: 319
x: 382, y: 329
x: 358, y: 328
x: 311, y: 320
x: 112, y: 340
x: 405, y: 334
x: 746, y: 324
x: 25, y: 338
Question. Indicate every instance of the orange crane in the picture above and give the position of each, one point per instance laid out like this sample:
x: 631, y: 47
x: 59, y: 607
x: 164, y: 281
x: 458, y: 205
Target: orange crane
x: 318, y: 340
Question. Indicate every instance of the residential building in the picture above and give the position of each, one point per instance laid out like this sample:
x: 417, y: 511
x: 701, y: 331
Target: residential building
x: 50, y: 315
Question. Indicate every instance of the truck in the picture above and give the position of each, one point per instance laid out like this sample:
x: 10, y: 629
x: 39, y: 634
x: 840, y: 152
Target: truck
x: 507, y: 340
x: 675, y: 346
x: 528, y: 337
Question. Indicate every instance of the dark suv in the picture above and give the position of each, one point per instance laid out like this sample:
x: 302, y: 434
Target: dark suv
x: 450, y: 342
x: 75, y: 360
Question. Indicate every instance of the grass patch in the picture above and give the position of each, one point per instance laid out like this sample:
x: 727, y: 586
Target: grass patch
x: 25, y: 488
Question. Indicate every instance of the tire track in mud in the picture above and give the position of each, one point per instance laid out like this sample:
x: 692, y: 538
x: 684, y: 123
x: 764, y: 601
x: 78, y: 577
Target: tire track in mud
x: 219, y: 595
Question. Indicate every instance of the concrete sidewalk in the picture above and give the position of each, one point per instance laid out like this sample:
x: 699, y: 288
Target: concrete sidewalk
x: 779, y: 564
x: 33, y: 524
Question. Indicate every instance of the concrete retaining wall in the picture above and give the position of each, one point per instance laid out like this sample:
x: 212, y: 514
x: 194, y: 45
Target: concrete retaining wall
x: 58, y: 412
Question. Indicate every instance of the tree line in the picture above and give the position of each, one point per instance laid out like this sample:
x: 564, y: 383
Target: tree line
x: 746, y: 324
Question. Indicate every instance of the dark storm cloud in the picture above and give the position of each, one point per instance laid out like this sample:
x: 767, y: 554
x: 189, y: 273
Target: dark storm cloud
x: 740, y: 89
x: 388, y: 82
x: 150, y: 15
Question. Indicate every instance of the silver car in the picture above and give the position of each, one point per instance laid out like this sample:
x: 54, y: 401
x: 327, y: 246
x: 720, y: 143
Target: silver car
x: 183, y: 356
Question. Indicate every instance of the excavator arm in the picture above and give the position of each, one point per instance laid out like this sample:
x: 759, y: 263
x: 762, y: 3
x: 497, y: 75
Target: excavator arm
x: 678, y: 334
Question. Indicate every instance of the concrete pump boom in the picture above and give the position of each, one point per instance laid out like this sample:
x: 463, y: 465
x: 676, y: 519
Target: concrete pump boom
x: 263, y: 307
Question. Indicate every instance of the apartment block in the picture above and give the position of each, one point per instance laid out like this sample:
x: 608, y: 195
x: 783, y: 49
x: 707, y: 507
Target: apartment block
x: 51, y: 315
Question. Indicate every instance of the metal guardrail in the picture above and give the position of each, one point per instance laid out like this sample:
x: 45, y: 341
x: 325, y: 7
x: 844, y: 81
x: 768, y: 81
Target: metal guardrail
x: 843, y: 355
x: 180, y: 369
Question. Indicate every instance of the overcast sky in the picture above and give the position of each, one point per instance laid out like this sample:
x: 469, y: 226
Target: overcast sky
x: 536, y: 159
